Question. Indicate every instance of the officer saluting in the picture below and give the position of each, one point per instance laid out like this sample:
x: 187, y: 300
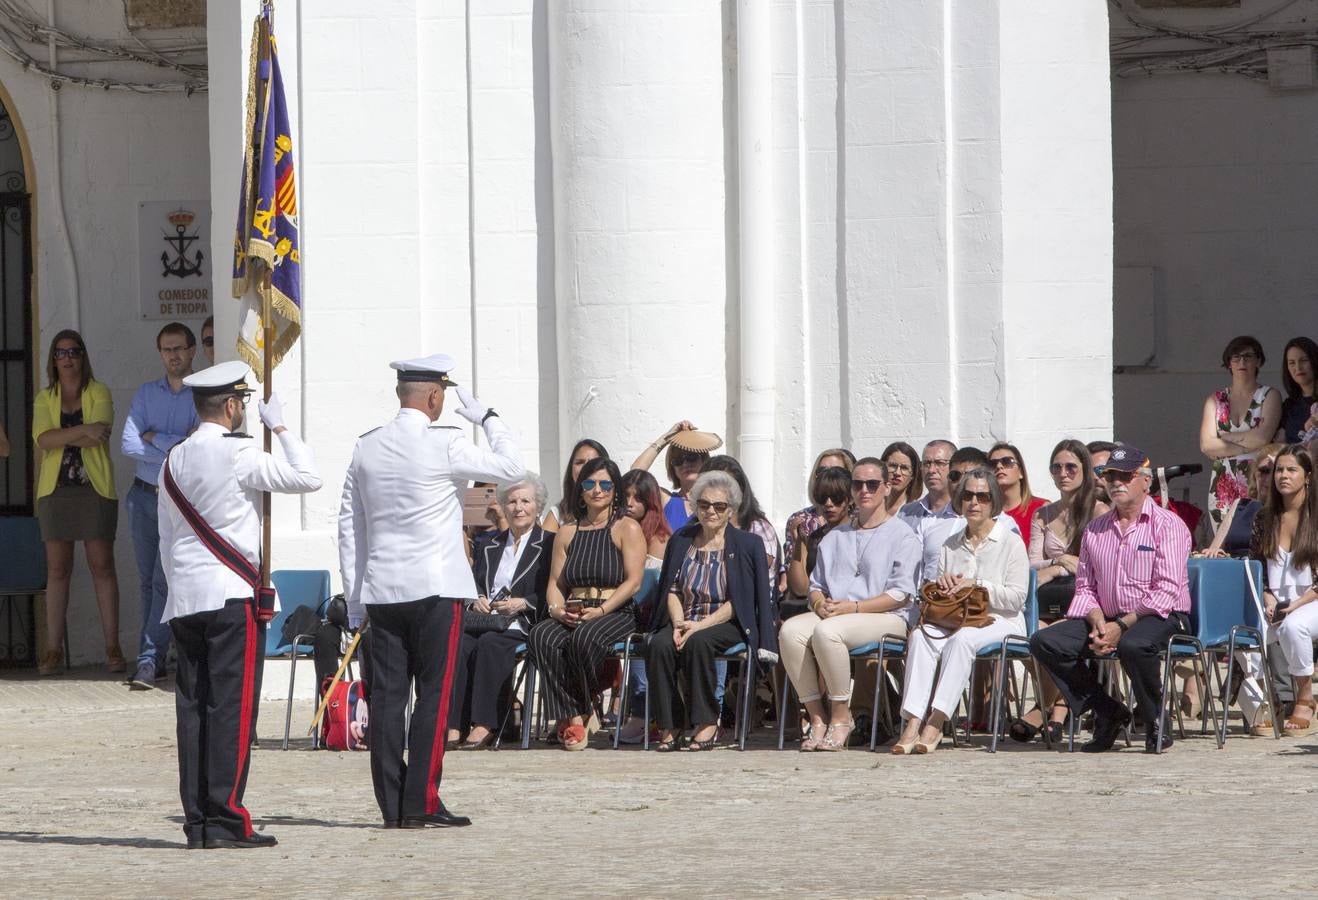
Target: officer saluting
x: 404, y: 565
x: 210, y: 548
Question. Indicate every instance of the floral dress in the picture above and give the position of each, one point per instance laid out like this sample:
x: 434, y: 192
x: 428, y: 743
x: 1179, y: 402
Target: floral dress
x: 1230, y: 477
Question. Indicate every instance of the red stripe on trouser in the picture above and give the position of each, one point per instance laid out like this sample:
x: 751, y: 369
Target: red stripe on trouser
x: 441, y: 724
x: 245, y: 724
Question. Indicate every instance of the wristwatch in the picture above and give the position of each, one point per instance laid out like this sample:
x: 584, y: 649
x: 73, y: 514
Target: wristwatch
x: 1121, y: 623
x: 489, y: 412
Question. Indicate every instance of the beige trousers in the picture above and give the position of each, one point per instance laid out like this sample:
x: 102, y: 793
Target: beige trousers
x: 810, y: 646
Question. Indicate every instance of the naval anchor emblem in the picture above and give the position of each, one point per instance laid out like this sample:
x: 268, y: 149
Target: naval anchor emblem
x: 181, y: 266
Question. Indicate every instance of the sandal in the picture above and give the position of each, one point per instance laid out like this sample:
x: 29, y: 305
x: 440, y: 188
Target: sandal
x: 831, y: 744
x: 575, y: 737
x: 1262, y: 724
x: 1298, y: 727
x: 1023, y: 731
x: 667, y: 746
x: 810, y: 742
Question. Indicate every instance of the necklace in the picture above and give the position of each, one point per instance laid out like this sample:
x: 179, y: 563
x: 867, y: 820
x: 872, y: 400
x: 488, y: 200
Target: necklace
x: 860, y: 554
x: 588, y: 526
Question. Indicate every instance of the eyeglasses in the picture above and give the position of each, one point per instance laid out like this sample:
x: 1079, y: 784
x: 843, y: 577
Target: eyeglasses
x: 981, y: 496
x: 870, y: 485
x: 1068, y: 468
x: 68, y: 353
x: 935, y: 463
x: 1112, y: 475
x: 208, y: 342
x: 1003, y: 462
x: 717, y: 506
x: 898, y: 467
x: 1248, y: 356
x: 955, y: 475
x: 175, y: 351
x: 590, y: 484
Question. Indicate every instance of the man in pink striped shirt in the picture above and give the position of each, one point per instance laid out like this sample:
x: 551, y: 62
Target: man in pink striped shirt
x: 1131, y: 595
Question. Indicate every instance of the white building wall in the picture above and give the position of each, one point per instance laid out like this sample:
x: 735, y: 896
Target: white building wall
x: 1216, y: 207
x: 115, y: 150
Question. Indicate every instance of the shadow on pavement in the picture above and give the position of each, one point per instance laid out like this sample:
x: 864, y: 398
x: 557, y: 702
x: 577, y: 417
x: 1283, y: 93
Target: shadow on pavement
x: 74, y: 840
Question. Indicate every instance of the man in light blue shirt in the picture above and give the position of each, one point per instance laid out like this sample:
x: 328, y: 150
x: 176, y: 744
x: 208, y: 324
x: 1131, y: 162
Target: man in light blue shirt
x: 162, y: 414
x: 936, y: 502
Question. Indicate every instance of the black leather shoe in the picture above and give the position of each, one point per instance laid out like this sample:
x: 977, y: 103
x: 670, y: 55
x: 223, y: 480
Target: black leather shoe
x: 441, y: 819
x: 1151, y: 741
x: 196, y: 843
x: 1106, y: 729
x: 252, y: 841
x: 393, y: 824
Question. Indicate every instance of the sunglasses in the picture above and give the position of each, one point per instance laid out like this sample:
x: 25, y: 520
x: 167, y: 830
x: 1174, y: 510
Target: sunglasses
x: 1068, y: 468
x: 590, y: 483
x: 208, y: 342
x: 981, y: 496
x: 833, y: 501
x: 1265, y: 470
x: 683, y: 457
x: 1112, y: 476
x: 871, y: 485
x: 68, y: 353
x: 717, y: 506
x: 1003, y: 462
x: 955, y: 475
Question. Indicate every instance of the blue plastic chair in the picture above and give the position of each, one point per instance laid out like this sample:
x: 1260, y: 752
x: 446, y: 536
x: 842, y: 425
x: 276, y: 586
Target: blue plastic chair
x: 1013, y: 648
x: 879, y: 651
x: 24, y: 571
x: 297, y: 588
x: 1229, y: 619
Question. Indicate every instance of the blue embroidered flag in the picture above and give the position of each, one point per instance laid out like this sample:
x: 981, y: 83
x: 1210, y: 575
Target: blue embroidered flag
x: 267, y: 261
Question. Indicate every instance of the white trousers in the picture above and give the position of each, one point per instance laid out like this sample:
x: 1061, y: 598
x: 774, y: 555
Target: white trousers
x: 957, y: 652
x: 1295, y: 636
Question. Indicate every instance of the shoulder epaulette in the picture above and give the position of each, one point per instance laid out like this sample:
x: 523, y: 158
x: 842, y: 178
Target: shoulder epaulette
x: 372, y: 431
x: 236, y: 434
x: 438, y: 427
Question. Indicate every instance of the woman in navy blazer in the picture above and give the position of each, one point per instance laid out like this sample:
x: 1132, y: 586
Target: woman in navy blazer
x: 512, y: 575
x: 713, y: 594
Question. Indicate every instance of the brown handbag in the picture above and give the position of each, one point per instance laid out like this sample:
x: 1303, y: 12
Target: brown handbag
x: 966, y: 608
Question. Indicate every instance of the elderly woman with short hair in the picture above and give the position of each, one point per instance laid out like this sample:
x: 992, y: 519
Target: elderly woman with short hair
x: 512, y: 576
x: 715, y: 586
x: 988, y: 554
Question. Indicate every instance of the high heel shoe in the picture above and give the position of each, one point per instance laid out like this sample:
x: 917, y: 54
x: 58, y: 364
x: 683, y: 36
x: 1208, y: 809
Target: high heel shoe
x: 810, y: 742
x: 832, y: 743
x: 921, y: 748
x: 903, y: 749
x: 481, y: 744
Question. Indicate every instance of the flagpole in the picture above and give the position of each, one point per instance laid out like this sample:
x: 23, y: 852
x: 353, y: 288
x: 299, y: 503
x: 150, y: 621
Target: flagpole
x: 267, y: 329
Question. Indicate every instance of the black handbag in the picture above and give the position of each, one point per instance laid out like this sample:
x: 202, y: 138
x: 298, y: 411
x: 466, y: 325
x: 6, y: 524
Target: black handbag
x: 481, y: 623
x: 1055, y: 598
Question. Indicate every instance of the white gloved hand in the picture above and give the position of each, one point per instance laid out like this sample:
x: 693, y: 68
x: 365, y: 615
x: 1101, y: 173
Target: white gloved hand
x: 472, y: 409
x: 271, y: 412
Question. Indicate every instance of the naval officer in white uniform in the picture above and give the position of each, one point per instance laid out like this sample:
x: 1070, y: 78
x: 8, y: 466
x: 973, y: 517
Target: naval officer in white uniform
x: 405, y: 568
x: 219, y: 473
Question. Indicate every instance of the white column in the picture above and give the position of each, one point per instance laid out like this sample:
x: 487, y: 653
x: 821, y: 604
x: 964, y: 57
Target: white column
x: 757, y: 396
x: 636, y: 121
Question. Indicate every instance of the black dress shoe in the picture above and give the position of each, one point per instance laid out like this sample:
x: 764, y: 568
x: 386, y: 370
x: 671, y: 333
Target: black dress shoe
x: 482, y: 744
x: 441, y: 819
x: 1106, y: 729
x: 1151, y: 741
x: 252, y: 841
x: 196, y: 843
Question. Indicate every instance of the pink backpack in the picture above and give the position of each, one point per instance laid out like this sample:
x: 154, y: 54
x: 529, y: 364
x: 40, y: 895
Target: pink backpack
x: 345, y: 723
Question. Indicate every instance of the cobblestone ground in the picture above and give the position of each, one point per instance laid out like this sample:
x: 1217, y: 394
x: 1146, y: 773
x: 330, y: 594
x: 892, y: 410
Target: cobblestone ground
x: 88, y: 807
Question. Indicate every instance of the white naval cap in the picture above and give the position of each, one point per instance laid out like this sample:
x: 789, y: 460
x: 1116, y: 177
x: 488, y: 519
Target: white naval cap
x: 222, y: 378
x: 427, y: 368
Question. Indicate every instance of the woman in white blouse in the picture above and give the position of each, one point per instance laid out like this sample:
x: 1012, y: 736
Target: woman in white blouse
x: 985, y: 553
x: 1285, y: 540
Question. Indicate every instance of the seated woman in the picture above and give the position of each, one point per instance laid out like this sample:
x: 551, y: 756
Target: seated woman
x: 716, y: 589
x: 1008, y: 467
x: 512, y: 576
x: 1236, y: 422
x: 644, y: 504
x: 904, y: 484
x: 986, y: 554
x: 861, y: 583
x: 597, y: 566
x: 1054, y: 550
x: 585, y: 450
x: 804, y: 521
x: 688, y: 450
x: 748, y: 515
x: 1285, y: 540
x: 1299, y: 411
x: 831, y: 494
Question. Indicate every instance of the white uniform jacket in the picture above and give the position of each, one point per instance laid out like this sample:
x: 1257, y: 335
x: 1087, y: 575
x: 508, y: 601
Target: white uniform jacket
x: 222, y: 476
x: 400, y: 522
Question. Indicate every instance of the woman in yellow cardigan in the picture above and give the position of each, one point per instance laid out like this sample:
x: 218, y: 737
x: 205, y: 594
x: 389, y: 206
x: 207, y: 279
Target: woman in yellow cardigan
x: 76, y: 500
